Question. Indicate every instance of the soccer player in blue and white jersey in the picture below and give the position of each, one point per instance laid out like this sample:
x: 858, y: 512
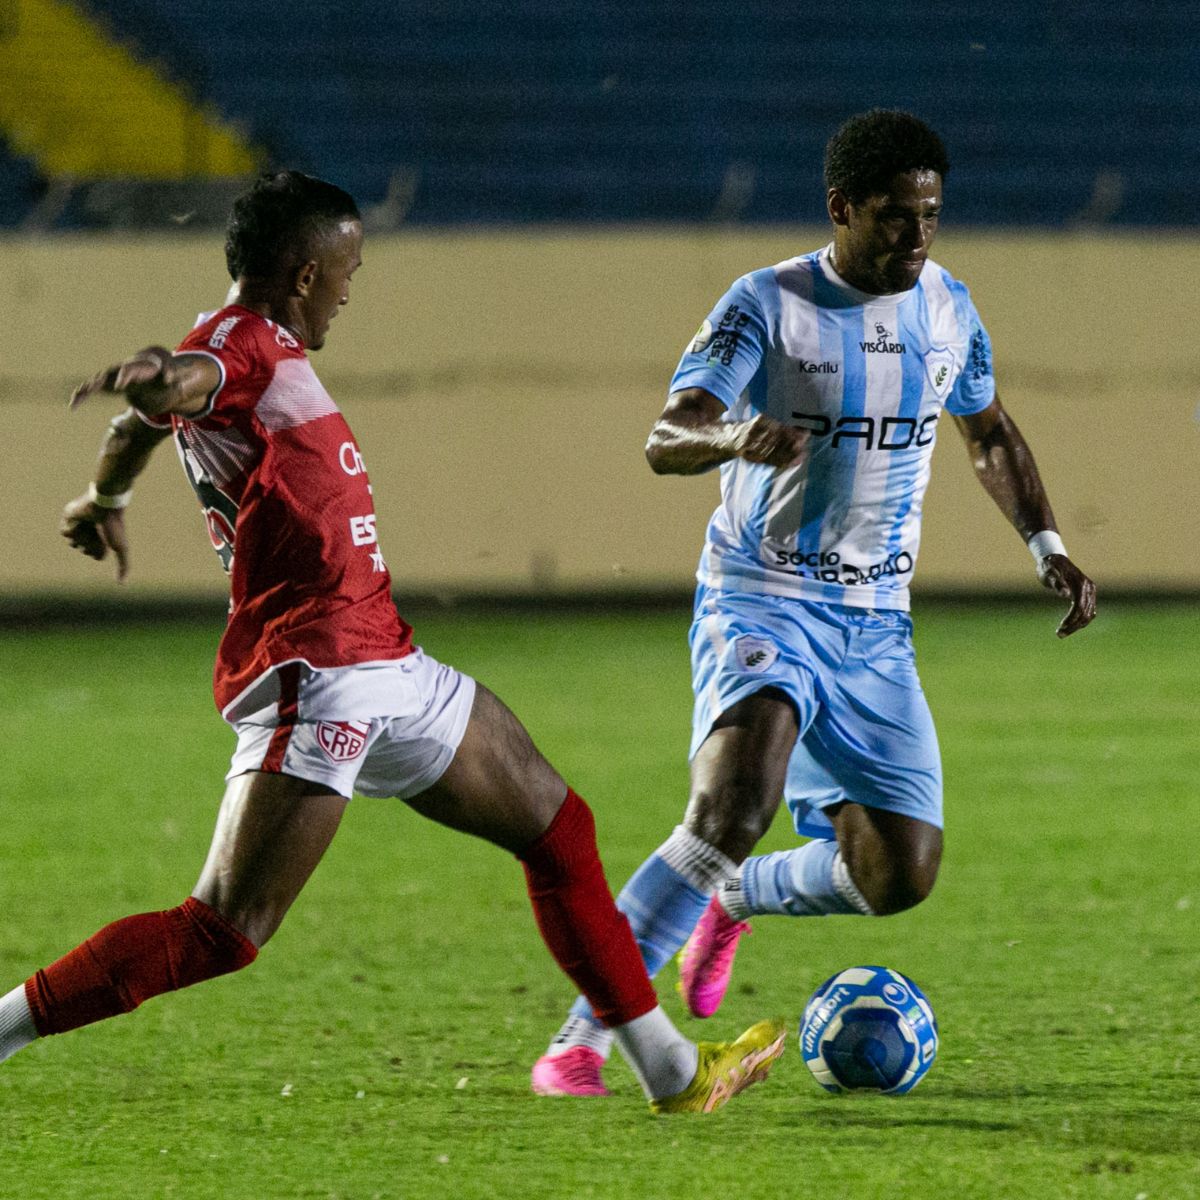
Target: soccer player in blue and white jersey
x: 816, y: 386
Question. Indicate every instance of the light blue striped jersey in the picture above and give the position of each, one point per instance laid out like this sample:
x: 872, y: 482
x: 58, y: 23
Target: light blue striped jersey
x: 869, y: 376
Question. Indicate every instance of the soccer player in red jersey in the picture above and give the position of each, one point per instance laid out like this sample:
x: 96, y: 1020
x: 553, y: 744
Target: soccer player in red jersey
x: 319, y: 676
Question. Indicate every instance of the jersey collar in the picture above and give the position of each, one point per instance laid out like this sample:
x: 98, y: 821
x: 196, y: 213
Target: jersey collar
x: 825, y: 266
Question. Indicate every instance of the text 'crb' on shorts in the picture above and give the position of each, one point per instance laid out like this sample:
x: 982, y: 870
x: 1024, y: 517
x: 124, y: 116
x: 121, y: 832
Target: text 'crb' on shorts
x: 317, y: 730
x: 866, y: 733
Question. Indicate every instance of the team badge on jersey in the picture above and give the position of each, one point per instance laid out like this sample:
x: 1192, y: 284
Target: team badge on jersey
x: 939, y: 367
x: 342, y: 740
x: 704, y: 335
x: 755, y: 654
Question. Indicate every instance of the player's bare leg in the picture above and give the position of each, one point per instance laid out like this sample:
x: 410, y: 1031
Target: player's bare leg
x: 499, y: 787
x: 738, y: 777
x: 739, y: 772
x: 271, y: 832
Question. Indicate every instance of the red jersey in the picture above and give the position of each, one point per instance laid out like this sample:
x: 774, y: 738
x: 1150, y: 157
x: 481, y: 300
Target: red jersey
x: 288, y: 506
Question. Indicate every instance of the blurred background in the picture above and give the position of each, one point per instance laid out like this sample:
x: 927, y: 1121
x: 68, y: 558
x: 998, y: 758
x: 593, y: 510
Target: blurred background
x: 555, y: 195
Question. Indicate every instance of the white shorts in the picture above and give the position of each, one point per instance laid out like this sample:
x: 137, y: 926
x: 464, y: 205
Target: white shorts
x: 314, y: 732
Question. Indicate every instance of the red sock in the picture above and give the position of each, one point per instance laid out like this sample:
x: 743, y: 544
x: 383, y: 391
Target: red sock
x: 133, y: 959
x: 588, y: 936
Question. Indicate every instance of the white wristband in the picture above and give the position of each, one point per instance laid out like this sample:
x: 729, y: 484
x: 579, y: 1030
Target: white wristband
x: 101, y: 501
x: 1045, y: 543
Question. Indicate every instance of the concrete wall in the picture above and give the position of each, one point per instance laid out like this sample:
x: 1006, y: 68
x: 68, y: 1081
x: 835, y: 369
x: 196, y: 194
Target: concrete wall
x: 502, y: 383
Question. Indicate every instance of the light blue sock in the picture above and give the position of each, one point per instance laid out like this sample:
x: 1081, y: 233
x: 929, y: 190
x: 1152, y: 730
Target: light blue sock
x: 810, y: 881
x: 663, y: 900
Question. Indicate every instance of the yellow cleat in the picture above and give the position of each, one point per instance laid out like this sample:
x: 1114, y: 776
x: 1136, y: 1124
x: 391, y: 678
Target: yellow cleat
x: 726, y: 1068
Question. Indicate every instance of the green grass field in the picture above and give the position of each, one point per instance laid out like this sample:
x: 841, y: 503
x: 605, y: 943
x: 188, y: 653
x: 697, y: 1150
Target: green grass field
x: 381, y: 1045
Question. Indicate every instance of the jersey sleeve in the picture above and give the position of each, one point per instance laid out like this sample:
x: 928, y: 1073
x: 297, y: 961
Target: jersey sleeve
x: 728, y: 347
x: 975, y: 387
x: 234, y: 344
x: 163, y: 421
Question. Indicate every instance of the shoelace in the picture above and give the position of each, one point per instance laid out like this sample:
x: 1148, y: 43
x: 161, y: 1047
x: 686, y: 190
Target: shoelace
x: 723, y: 942
x: 579, y: 1069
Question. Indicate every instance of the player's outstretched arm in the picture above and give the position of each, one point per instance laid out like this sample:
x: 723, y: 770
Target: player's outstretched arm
x: 157, y: 382
x: 690, y: 436
x: 1004, y: 465
x: 94, y: 523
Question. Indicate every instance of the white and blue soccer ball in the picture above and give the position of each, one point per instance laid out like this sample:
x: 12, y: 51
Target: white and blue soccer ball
x: 868, y: 1029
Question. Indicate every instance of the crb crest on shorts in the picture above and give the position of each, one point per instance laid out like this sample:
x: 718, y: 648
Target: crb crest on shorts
x: 343, y: 740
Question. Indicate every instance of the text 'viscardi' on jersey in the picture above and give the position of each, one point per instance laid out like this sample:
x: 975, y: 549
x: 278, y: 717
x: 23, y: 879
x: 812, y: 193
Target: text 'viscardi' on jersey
x: 288, y: 507
x: 868, y: 376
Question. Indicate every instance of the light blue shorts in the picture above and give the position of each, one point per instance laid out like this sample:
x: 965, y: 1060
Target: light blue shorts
x: 866, y: 733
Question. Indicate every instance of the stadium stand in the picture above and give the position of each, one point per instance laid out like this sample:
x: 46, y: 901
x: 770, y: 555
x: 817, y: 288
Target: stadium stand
x: 617, y: 111
x: 21, y: 186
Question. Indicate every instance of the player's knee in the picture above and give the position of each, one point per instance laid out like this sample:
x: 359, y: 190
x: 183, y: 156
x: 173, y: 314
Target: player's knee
x: 208, y: 943
x: 257, y: 924
x: 733, y: 817
x: 893, y: 887
x: 253, y: 916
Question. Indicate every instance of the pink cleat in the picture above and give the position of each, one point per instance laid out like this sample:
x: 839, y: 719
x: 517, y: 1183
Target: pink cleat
x: 574, y: 1072
x: 706, y: 960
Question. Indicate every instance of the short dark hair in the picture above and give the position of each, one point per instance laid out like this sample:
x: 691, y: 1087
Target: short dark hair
x: 275, y: 224
x: 870, y: 149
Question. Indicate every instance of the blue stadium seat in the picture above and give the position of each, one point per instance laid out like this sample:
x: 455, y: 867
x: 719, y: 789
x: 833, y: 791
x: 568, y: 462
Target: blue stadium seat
x: 625, y: 110
x: 21, y: 186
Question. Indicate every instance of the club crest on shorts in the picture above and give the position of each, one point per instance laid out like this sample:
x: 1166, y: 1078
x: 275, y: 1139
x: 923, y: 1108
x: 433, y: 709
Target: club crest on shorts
x: 342, y: 740
x: 755, y: 654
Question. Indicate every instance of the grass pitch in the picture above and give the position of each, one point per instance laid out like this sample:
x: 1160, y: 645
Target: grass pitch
x: 381, y: 1045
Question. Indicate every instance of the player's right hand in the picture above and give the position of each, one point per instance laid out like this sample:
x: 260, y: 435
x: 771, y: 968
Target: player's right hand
x: 762, y: 439
x: 95, y: 531
x: 1058, y: 573
x: 154, y: 365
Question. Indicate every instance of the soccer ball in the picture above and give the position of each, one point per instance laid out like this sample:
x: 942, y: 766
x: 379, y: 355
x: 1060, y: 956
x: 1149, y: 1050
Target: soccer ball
x: 868, y: 1029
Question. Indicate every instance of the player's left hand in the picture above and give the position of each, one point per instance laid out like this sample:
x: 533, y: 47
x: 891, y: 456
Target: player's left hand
x: 1064, y: 578
x: 95, y: 531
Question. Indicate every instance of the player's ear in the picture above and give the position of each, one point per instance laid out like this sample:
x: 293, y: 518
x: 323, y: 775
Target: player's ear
x: 304, y: 278
x: 838, y: 204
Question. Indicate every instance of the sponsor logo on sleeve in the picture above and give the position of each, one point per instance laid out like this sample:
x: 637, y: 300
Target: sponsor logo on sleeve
x: 728, y: 336
x: 980, y: 355
x: 222, y: 332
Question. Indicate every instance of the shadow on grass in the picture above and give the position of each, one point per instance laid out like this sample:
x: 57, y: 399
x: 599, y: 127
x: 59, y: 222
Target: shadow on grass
x: 1120, y: 1117
x: 894, y: 1117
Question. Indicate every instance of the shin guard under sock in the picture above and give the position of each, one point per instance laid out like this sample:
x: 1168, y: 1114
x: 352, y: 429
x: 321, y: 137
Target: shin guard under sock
x: 133, y: 959
x: 590, y: 940
x: 663, y: 900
